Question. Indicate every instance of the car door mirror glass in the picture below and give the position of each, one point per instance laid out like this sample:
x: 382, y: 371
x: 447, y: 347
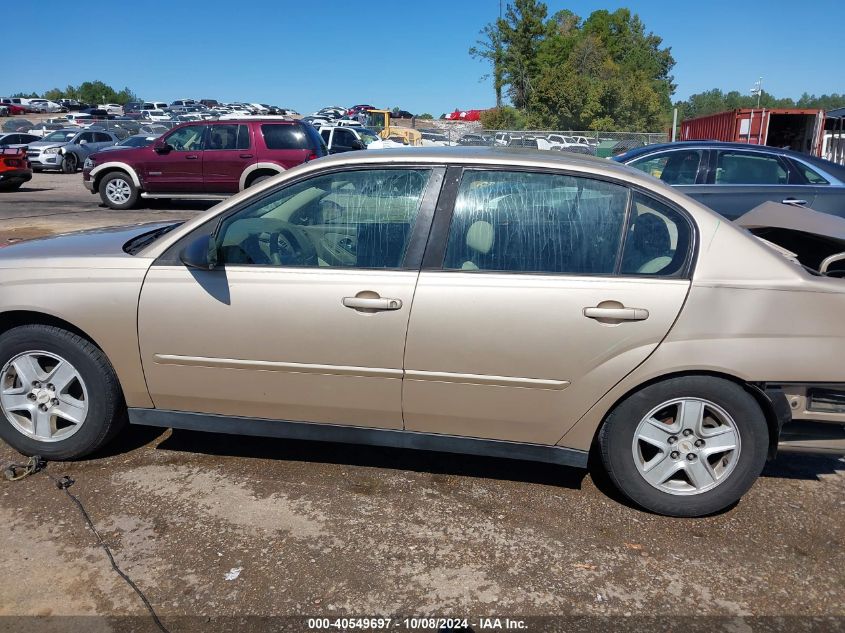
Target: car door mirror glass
x: 161, y: 147
x: 201, y: 253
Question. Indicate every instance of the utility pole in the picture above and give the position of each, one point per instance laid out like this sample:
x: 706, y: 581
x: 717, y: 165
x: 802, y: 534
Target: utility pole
x: 758, y: 90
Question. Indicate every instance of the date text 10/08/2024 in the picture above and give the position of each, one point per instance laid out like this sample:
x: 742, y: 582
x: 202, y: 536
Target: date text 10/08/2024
x: 423, y: 623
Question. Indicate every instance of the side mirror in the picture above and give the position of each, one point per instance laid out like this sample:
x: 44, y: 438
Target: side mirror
x: 161, y: 147
x: 201, y: 253
x: 356, y: 144
x: 83, y: 142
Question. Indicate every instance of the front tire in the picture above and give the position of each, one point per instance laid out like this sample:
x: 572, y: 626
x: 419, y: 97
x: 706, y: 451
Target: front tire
x: 70, y: 163
x: 687, y: 446
x: 117, y: 191
x: 59, y: 396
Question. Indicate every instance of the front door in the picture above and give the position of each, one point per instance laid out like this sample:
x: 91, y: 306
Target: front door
x: 306, y: 317
x: 228, y: 151
x: 534, y: 308
x: 178, y: 168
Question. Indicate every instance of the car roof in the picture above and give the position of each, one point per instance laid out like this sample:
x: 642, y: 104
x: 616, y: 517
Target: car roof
x: 832, y: 168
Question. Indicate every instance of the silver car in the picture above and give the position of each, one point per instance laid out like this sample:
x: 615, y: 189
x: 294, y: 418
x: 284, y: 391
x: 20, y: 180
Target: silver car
x: 67, y: 149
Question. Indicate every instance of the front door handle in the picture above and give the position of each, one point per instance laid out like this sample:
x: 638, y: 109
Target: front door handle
x: 616, y: 314
x: 191, y: 157
x: 245, y: 155
x: 794, y: 201
x: 368, y: 303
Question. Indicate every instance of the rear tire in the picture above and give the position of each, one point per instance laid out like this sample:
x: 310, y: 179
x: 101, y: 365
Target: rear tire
x: 686, y: 447
x: 117, y: 191
x: 93, y: 388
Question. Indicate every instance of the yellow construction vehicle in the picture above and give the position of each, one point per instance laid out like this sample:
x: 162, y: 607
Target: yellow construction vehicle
x: 379, y: 121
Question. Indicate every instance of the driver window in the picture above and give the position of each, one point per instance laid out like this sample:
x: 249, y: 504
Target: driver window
x: 186, y: 139
x: 352, y: 219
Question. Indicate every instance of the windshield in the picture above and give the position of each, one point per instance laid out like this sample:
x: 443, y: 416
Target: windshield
x: 367, y: 135
x: 60, y: 136
x: 376, y: 120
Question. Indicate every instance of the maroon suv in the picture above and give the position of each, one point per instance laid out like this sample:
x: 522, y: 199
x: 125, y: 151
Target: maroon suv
x: 201, y: 160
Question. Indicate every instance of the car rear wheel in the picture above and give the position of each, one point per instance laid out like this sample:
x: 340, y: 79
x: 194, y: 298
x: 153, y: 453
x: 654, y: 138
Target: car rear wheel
x: 69, y: 164
x: 688, y: 446
x: 117, y: 191
x: 59, y: 396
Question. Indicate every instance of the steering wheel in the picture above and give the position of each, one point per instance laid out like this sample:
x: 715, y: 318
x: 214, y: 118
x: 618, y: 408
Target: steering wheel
x: 291, y: 246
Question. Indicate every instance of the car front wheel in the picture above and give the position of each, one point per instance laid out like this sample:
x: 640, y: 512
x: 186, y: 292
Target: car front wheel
x: 688, y: 446
x: 59, y: 397
x: 117, y: 191
x: 69, y: 163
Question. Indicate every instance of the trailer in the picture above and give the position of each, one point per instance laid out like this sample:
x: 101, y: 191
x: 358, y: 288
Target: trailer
x: 798, y: 129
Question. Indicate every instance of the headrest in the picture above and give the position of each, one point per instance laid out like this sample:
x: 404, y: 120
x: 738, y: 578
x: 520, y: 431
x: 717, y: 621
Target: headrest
x: 480, y: 236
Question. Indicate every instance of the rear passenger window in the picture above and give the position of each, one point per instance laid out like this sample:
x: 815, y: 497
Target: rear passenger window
x: 228, y: 137
x: 678, y: 167
x: 285, y: 136
x: 748, y: 168
x: 536, y: 223
x: 658, y: 239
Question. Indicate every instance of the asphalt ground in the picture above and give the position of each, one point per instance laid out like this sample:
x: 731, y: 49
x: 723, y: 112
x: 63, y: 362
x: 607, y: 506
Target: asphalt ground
x: 238, y: 533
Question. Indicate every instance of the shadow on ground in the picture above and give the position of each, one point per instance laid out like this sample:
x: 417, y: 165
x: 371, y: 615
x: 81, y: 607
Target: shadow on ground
x: 373, y: 457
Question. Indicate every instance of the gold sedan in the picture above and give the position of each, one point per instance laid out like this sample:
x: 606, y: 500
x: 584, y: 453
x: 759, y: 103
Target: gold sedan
x: 534, y: 306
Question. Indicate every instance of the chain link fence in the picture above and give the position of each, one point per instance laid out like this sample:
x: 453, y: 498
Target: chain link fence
x: 580, y: 141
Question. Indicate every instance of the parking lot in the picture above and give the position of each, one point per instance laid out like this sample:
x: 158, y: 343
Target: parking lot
x: 211, y: 526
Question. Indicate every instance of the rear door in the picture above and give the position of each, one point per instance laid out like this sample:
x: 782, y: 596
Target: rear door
x: 828, y: 191
x: 741, y: 179
x: 527, y: 308
x: 179, y: 169
x: 228, y: 152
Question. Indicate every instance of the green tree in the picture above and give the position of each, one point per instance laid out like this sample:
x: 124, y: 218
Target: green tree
x: 425, y: 116
x: 489, y: 48
x: 504, y: 118
x: 521, y: 31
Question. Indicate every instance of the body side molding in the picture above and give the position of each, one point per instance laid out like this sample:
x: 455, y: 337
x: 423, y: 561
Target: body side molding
x: 359, y: 435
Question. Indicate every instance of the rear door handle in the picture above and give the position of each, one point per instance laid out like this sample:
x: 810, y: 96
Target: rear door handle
x: 191, y: 157
x: 367, y: 303
x: 794, y: 201
x: 617, y: 314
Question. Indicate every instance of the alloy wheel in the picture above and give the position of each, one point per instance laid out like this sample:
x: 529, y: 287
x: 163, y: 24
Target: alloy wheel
x: 118, y: 190
x: 43, y: 396
x: 686, y: 446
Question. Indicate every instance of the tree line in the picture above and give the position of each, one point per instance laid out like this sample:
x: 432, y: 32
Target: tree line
x: 93, y: 92
x: 606, y: 72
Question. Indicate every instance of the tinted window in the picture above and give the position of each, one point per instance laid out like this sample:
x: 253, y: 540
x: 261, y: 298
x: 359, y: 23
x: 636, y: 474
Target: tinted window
x: 748, y: 168
x: 345, y: 137
x: 86, y: 136
x: 285, y: 136
x: 532, y: 222
x: 228, y: 137
x: 326, y: 134
x: 100, y: 137
x: 812, y: 177
x: 675, y: 168
x: 186, y: 139
x: 357, y: 219
x: 657, y: 241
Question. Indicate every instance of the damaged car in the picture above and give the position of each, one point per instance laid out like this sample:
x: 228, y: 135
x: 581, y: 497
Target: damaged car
x: 539, y: 306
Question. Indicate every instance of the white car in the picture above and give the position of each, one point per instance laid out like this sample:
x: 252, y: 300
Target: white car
x: 348, y: 138
x: 45, y: 105
x: 43, y: 129
x: 112, y: 108
x: 78, y: 118
x: 154, y: 115
x: 153, y: 105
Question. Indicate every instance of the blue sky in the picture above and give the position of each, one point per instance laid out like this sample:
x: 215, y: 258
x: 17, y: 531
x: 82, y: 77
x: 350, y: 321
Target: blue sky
x: 306, y: 55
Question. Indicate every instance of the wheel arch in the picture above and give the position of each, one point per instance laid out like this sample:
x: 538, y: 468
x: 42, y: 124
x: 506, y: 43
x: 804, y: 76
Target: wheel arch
x: 15, y: 318
x: 258, y: 169
x: 773, y: 411
x: 101, y: 171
